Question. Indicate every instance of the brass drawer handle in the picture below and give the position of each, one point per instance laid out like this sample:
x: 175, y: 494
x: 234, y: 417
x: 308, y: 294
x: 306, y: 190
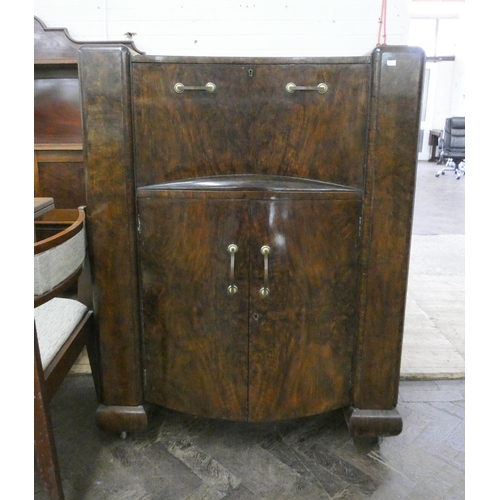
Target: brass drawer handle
x: 264, y: 291
x: 209, y: 87
x: 321, y: 88
x: 232, y: 288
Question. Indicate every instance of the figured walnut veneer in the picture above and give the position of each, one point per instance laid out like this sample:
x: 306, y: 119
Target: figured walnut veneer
x: 325, y: 180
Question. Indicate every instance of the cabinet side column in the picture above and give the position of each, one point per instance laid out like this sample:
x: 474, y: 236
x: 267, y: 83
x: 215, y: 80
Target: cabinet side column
x: 394, y: 123
x: 104, y: 73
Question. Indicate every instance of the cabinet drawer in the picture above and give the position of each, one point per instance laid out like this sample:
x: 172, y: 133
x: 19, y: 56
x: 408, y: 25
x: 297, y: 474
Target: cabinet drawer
x: 250, y: 124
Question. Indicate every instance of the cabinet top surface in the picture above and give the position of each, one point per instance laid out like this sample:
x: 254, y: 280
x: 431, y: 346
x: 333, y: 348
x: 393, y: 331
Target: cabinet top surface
x: 249, y: 60
x: 392, y: 50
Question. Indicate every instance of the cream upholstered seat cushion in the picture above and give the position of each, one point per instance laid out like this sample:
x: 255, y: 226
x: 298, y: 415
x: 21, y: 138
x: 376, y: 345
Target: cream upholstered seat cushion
x: 55, y: 265
x: 55, y: 321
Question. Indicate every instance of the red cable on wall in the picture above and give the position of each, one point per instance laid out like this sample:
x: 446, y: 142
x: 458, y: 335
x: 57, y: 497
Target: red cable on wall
x: 383, y: 23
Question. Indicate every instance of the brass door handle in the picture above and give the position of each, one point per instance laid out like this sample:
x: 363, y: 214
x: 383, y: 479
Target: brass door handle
x: 209, y: 87
x: 264, y: 291
x: 321, y: 88
x: 232, y: 288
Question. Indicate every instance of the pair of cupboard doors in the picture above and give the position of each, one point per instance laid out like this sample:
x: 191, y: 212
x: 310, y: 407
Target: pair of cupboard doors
x: 249, y: 296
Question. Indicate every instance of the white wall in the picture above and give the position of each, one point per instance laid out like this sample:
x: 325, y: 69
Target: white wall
x: 450, y: 75
x: 232, y: 27
x: 458, y: 82
x: 443, y: 107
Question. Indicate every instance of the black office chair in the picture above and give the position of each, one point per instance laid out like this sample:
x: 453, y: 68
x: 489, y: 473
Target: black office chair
x: 453, y: 147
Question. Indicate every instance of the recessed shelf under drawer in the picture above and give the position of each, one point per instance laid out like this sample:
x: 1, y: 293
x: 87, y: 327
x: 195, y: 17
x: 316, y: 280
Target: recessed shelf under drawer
x: 259, y: 185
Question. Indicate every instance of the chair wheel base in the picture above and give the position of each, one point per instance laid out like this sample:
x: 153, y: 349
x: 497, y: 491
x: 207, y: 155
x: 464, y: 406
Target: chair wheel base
x: 451, y: 166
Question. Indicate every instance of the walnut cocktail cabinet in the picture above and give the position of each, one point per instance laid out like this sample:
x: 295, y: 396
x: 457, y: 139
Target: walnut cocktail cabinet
x: 249, y: 224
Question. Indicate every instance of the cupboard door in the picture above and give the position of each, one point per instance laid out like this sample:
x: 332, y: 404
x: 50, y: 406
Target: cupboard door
x: 195, y: 331
x: 302, y: 334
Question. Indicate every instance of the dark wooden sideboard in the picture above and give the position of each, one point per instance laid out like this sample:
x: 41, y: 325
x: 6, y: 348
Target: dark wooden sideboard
x: 58, y: 157
x: 250, y: 225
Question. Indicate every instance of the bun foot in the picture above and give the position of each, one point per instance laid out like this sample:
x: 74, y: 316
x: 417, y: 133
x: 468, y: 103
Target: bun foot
x: 373, y: 423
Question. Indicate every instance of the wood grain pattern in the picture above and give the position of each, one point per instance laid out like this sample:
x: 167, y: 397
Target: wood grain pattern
x: 250, y: 124
x: 388, y: 211
x: 203, y: 347
x: 345, y: 306
x: 112, y: 221
x: 58, y: 116
x: 195, y: 332
x: 302, y: 334
x: 61, y: 173
x: 57, y: 111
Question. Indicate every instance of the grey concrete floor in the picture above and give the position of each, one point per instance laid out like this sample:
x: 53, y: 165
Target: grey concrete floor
x: 434, y: 331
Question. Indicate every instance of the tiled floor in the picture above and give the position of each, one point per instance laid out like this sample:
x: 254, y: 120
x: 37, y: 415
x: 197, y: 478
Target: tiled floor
x: 181, y: 457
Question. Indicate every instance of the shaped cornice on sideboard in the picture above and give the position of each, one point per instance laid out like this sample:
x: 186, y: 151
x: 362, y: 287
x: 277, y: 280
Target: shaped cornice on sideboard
x: 58, y: 157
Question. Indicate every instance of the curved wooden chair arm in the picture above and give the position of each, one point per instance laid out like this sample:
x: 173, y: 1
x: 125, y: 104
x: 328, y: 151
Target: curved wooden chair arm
x: 64, y: 235
x: 54, y: 241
